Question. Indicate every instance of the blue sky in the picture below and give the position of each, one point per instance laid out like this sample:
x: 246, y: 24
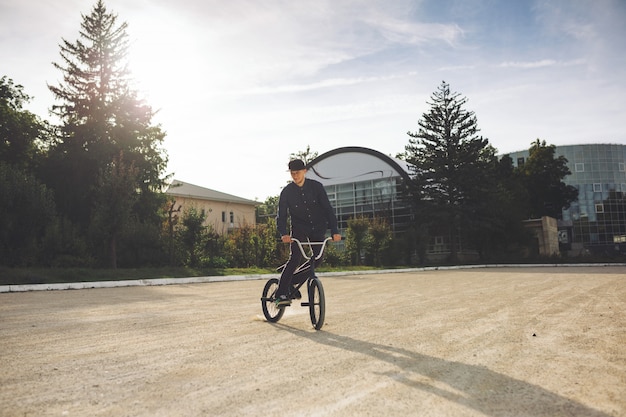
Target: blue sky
x: 241, y: 84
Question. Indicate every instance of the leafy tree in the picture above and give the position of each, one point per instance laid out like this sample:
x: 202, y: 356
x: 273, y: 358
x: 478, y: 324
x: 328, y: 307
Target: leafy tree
x: 499, y: 233
x: 26, y: 209
x: 272, y: 251
x: 356, y: 237
x: 452, y: 167
x: 101, y: 116
x: 306, y: 156
x: 267, y: 210
x: 243, y: 247
x: 379, y: 239
x: 369, y: 238
x: 65, y: 246
x: 543, y: 175
x: 22, y: 134
x: 114, y: 198
x: 192, y: 236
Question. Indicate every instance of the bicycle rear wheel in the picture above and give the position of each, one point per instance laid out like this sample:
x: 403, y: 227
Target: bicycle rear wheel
x: 317, y: 303
x: 271, y: 312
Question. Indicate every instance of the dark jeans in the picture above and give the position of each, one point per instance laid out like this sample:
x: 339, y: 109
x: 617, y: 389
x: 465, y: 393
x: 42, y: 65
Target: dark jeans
x: 295, y: 259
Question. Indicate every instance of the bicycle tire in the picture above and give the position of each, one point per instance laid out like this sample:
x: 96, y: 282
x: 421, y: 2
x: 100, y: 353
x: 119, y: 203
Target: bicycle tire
x: 271, y: 312
x: 317, y: 303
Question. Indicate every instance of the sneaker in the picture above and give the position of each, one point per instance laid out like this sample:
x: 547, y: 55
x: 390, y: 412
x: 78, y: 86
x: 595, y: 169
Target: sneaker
x: 282, y: 301
x: 295, y: 294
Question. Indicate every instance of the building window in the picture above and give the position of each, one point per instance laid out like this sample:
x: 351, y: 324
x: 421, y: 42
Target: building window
x: 579, y: 167
x: 597, y: 187
x: 439, y: 246
x: 599, y: 208
x: 223, y: 217
x: 520, y: 162
x: 622, y: 166
x: 232, y: 217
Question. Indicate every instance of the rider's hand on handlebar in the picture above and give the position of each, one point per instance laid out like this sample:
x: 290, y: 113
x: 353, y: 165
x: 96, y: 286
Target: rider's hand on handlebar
x: 286, y: 238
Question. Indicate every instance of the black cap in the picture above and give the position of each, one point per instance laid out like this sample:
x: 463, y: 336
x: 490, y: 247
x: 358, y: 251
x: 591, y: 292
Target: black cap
x: 296, y: 165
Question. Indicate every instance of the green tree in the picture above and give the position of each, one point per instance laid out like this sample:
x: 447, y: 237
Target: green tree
x: 114, y: 200
x: 243, y: 247
x: 22, y: 134
x: 452, y: 167
x: 499, y: 232
x: 27, y: 207
x: 356, y: 238
x: 26, y: 210
x: 65, y: 246
x: 306, y: 155
x: 192, y: 236
x: 102, y: 116
x: 379, y: 239
x: 267, y: 210
x: 273, y: 251
x: 543, y: 176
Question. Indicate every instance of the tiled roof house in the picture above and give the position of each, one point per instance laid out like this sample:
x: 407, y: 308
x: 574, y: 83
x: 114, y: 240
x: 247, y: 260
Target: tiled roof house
x: 223, y: 211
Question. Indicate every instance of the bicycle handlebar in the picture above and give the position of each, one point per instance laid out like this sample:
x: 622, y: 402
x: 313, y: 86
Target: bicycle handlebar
x: 311, y: 244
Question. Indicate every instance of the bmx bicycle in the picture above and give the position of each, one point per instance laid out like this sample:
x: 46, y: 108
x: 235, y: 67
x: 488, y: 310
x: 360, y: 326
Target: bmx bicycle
x: 305, y: 273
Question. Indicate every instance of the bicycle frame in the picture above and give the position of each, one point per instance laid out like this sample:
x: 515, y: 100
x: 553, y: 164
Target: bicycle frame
x: 308, y: 266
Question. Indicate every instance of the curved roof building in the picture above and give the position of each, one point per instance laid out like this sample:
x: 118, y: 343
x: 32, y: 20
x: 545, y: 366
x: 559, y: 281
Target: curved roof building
x: 362, y: 181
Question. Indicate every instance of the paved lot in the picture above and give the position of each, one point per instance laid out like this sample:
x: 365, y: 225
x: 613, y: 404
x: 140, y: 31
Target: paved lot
x: 543, y: 341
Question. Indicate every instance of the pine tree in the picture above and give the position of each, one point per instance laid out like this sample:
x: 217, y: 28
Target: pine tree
x: 101, y: 117
x: 452, y: 168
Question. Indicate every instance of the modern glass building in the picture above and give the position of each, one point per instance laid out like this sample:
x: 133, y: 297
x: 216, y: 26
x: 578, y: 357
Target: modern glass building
x: 596, y: 223
x: 363, y: 182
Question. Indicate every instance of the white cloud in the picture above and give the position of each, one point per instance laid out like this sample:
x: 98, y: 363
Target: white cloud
x: 541, y: 63
x: 322, y: 84
x: 407, y: 32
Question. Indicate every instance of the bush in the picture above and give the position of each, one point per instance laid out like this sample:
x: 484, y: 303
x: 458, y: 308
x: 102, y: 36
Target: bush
x: 26, y: 209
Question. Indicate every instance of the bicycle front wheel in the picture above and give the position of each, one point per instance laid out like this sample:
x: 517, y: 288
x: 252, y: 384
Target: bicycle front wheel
x: 271, y: 312
x: 317, y: 303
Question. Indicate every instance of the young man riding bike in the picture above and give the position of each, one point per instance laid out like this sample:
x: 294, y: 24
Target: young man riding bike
x: 305, y: 201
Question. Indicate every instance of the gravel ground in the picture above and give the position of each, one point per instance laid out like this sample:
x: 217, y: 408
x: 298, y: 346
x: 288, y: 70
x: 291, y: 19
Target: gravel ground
x: 535, y: 341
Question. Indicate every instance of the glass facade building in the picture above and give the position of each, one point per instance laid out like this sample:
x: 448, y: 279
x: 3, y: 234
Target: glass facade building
x: 596, y: 223
x: 363, y: 182
x: 369, y: 198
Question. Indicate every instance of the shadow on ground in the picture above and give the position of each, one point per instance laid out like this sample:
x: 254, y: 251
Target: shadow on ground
x: 477, y: 387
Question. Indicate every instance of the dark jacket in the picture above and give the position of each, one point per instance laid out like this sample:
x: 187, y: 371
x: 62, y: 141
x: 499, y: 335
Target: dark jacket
x: 308, y: 206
